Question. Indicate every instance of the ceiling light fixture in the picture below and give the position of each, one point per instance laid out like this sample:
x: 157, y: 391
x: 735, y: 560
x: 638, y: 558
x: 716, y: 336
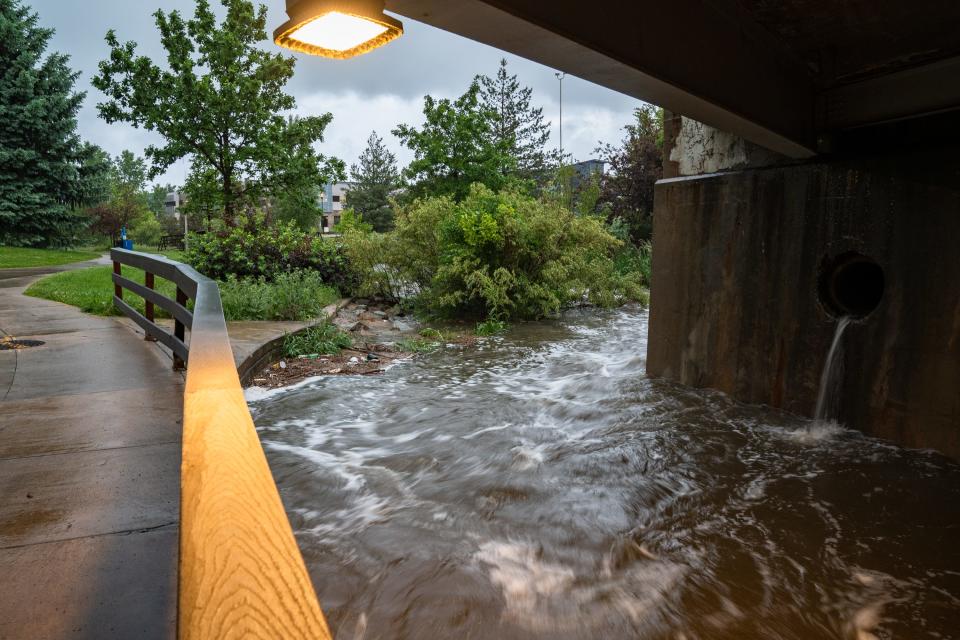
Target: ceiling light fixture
x: 337, y: 28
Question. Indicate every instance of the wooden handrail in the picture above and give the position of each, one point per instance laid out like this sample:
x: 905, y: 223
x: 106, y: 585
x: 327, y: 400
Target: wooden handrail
x: 241, y: 572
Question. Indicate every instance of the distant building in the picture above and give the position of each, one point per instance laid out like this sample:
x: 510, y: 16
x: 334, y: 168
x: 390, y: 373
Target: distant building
x: 333, y: 200
x: 584, y: 171
x: 174, y: 202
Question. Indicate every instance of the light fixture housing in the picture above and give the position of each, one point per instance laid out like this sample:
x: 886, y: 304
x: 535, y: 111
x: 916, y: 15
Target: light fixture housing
x: 337, y: 28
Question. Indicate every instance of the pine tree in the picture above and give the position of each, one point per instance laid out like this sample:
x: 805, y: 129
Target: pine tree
x: 516, y: 126
x: 375, y: 177
x: 40, y: 151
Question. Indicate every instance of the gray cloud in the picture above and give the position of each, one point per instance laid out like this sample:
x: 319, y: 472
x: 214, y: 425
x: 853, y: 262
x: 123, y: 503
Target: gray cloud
x: 374, y: 91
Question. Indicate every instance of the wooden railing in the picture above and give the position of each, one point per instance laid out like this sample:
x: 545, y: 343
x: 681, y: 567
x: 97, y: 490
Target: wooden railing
x: 241, y: 573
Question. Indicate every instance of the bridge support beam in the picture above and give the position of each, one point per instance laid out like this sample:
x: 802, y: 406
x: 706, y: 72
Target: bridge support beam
x: 743, y: 299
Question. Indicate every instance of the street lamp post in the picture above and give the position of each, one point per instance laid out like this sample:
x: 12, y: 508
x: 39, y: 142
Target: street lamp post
x: 560, y: 77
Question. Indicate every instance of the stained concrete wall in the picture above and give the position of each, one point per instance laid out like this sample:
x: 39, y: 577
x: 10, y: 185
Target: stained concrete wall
x: 734, y: 289
x: 695, y: 148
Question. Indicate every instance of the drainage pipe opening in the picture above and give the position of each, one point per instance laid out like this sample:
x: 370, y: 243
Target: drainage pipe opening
x: 851, y: 285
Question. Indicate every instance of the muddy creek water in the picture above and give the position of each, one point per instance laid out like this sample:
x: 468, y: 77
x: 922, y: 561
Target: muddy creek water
x: 537, y: 485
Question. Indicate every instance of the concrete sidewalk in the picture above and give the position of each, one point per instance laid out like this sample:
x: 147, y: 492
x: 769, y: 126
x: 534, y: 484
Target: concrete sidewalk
x: 89, y: 474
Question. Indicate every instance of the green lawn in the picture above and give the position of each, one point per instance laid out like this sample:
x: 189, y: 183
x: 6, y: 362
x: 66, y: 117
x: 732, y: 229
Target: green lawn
x: 293, y: 297
x: 91, y: 290
x: 11, y: 257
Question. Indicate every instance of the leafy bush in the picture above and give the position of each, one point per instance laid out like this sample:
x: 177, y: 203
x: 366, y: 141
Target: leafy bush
x: 146, y: 229
x: 254, y: 249
x: 635, y: 259
x: 371, y: 258
x: 324, y: 338
x: 490, y: 327
x: 417, y: 345
x: 495, y: 255
x: 299, y: 295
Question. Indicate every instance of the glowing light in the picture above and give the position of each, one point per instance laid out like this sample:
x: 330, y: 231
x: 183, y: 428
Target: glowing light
x: 338, y: 32
x: 337, y: 28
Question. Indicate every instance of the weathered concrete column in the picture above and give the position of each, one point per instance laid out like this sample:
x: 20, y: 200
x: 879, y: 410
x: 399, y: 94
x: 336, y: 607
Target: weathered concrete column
x: 740, y: 263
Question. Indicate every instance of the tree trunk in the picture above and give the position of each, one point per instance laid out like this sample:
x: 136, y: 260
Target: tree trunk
x: 228, y: 203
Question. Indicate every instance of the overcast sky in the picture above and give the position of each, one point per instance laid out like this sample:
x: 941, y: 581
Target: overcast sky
x: 375, y: 91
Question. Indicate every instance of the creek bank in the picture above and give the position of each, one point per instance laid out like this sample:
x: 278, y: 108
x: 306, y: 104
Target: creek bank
x: 382, y: 335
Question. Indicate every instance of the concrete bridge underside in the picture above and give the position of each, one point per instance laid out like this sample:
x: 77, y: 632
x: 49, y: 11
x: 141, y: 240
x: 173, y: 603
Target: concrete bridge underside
x: 799, y: 134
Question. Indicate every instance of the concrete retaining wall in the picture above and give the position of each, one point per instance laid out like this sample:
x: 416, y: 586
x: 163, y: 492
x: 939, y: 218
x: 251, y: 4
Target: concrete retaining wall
x: 735, y: 289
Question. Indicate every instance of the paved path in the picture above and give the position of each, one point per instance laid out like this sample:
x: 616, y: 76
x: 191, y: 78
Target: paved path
x: 89, y: 474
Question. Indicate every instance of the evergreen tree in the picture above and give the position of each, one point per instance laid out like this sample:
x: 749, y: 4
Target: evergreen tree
x: 375, y: 177
x: 218, y: 100
x: 517, y: 126
x: 454, y: 148
x: 96, y: 176
x: 40, y: 151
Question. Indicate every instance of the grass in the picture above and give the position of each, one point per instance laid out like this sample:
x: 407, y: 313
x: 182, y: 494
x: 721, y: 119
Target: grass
x: 417, y: 345
x: 91, y: 290
x: 17, y: 257
x: 292, y: 297
x: 322, y: 339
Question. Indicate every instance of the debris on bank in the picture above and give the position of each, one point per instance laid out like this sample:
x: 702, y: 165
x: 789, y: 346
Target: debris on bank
x: 381, y: 335
x: 362, y: 359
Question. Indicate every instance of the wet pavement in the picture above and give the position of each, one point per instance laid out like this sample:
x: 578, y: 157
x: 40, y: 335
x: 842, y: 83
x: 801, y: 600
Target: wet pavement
x: 89, y: 474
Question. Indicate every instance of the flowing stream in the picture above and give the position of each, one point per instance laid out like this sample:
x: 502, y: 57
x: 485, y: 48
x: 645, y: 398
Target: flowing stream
x: 537, y: 485
x: 831, y: 380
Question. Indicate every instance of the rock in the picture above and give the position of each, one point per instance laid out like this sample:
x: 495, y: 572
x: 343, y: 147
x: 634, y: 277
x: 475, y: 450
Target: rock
x: 372, y: 357
x: 359, y: 326
x: 283, y: 365
x: 379, y: 314
x: 354, y: 360
x: 400, y: 325
x: 367, y: 315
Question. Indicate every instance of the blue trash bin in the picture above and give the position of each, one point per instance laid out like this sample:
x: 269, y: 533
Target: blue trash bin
x: 128, y: 244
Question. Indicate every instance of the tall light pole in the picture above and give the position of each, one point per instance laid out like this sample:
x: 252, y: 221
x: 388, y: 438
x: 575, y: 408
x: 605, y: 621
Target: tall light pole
x: 560, y: 77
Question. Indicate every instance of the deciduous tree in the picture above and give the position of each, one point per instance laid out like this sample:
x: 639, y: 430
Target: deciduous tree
x: 626, y: 191
x: 218, y: 100
x: 454, y: 148
x: 127, y: 198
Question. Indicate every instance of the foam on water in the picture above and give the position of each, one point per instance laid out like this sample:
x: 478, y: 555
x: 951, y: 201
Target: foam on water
x: 538, y: 485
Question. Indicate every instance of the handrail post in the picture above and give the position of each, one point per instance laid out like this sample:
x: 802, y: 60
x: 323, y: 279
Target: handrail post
x: 179, y: 331
x: 117, y: 289
x: 148, y: 306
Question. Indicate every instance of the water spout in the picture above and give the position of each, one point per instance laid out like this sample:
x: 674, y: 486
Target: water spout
x: 832, y: 377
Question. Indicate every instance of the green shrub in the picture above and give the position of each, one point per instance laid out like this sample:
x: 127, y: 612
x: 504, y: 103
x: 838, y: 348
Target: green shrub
x: 490, y: 327
x: 370, y: 257
x: 299, y: 295
x: 254, y: 249
x: 146, y: 230
x: 324, y: 338
x: 417, y: 345
x: 635, y: 259
x: 494, y: 255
